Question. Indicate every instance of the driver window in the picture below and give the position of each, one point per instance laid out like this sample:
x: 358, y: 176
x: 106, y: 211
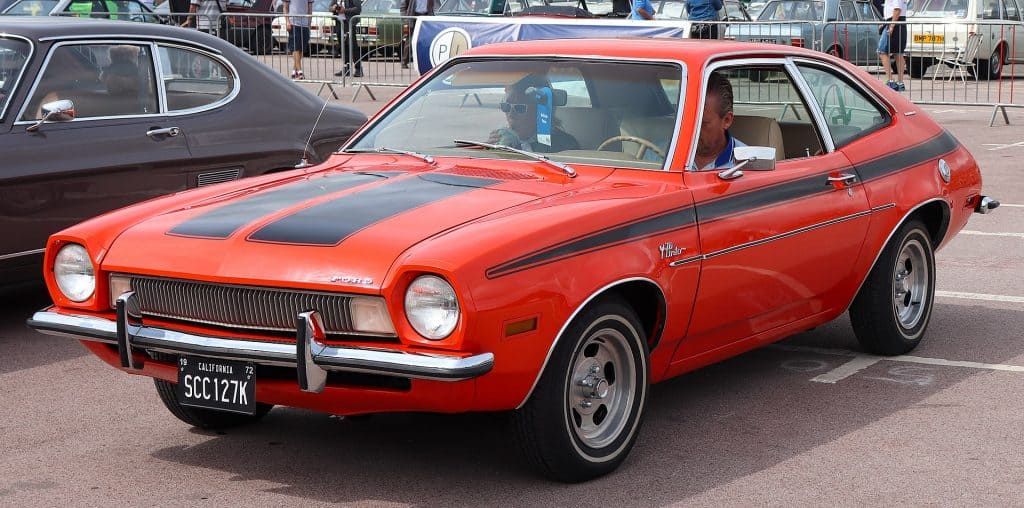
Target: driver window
x: 847, y: 110
x: 103, y: 80
x: 767, y: 111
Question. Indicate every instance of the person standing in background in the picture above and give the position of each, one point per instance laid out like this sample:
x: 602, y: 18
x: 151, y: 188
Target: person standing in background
x: 204, y: 15
x: 642, y: 9
x: 414, y: 8
x: 343, y: 11
x: 296, y: 14
x: 703, y: 10
x: 893, y: 41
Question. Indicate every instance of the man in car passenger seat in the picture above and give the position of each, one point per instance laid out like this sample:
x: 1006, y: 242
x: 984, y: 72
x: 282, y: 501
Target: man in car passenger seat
x: 715, y: 144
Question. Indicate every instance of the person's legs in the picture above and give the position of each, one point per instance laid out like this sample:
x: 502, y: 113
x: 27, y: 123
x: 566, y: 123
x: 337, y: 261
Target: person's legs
x: 295, y: 50
x: 883, y: 57
x: 899, y: 46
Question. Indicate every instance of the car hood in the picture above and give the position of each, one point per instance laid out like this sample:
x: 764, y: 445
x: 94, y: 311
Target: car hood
x: 330, y: 229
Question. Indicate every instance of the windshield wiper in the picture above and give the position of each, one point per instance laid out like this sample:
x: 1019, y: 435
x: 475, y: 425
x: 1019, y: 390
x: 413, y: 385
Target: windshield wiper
x: 535, y: 156
x: 423, y: 157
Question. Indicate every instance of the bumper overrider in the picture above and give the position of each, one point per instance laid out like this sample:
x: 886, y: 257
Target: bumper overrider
x: 309, y: 356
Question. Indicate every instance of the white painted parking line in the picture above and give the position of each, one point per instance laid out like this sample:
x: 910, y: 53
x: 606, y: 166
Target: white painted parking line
x: 1011, y: 206
x: 986, y: 233
x: 861, y: 361
x: 1003, y: 146
x: 980, y: 296
x: 847, y: 369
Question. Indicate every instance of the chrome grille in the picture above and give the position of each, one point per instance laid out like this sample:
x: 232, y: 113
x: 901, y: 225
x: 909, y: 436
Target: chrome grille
x: 240, y: 307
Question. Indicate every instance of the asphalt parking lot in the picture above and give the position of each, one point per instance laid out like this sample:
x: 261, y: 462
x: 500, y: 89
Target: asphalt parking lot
x: 807, y: 422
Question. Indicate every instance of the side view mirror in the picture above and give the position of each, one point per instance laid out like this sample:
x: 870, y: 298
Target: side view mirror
x: 62, y: 110
x: 753, y: 158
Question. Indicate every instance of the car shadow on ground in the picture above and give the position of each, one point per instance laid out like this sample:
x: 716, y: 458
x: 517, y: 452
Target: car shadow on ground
x: 21, y: 347
x: 703, y: 430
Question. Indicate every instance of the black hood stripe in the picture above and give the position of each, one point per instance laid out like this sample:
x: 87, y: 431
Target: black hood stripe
x: 907, y: 158
x: 622, y: 233
x: 331, y: 222
x: 222, y: 222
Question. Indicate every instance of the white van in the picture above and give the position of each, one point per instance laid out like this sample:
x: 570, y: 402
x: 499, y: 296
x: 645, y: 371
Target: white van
x: 943, y: 26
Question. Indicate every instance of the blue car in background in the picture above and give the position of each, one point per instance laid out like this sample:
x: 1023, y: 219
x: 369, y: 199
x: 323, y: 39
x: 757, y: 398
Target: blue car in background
x: 844, y: 28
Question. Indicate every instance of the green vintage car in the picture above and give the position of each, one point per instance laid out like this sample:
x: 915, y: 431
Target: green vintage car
x: 380, y: 27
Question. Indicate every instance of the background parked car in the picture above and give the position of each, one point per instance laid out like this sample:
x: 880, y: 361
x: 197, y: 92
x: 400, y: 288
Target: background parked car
x: 942, y: 26
x: 380, y: 28
x: 676, y: 9
x: 799, y: 23
x: 208, y: 113
x: 242, y: 24
x: 124, y: 10
x: 487, y: 7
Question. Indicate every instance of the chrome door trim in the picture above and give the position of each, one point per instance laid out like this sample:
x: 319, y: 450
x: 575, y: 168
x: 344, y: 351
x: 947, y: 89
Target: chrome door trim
x: 20, y: 254
x: 28, y: 62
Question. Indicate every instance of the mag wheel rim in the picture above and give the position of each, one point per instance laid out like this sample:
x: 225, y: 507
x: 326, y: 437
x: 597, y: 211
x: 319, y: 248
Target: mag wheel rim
x: 911, y: 279
x: 602, y: 388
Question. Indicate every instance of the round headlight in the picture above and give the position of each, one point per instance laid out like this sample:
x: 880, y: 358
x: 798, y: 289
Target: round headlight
x: 431, y: 306
x: 73, y: 271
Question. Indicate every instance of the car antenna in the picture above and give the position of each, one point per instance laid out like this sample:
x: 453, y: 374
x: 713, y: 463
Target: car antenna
x: 304, y: 162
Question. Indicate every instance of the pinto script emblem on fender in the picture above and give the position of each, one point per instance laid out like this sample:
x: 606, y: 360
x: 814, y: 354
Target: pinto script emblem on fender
x: 351, y: 279
x: 669, y: 250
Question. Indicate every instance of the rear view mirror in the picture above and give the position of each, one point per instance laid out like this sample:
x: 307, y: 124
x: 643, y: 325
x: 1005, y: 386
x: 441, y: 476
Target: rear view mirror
x: 754, y: 158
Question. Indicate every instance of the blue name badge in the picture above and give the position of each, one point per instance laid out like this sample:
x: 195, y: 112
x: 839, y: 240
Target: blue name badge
x: 544, y: 107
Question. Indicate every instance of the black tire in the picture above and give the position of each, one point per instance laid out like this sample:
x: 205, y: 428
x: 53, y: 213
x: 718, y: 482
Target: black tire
x: 262, y: 41
x: 573, y: 432
x: 916, y: 66
x: 205, y: 418
x: 891, y: 312
x: 991, y: 67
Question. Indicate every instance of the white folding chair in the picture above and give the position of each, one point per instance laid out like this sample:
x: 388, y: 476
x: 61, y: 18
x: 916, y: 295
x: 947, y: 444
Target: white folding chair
x: 962, y: 58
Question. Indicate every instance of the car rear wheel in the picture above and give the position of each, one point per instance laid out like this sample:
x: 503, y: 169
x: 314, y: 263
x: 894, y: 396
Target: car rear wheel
x: 205, y: 418
x: 585, y: 412
x: 992, y: 67
x: 892, y: 310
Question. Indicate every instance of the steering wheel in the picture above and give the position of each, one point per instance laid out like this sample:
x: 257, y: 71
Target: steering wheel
x: 841, y: 114
x: 645, y: 145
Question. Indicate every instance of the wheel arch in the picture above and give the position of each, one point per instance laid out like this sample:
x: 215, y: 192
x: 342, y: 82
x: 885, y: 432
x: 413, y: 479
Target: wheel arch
x: 934, y: 213
x: 634, y: 291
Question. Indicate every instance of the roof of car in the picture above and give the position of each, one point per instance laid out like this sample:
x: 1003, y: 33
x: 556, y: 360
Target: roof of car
x: 40, y: 27
x: 645, y: 48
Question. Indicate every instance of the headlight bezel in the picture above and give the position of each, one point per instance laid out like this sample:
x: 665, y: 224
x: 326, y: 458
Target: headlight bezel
x: 432, y: 286
x: 73, y: 260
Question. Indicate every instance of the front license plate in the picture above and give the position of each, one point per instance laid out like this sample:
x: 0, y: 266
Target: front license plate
x: 213, y: 383
x: 929, y: 39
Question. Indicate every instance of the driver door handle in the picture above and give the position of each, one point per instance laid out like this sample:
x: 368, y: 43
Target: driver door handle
x: 846, y: 178
x: 169, y: 132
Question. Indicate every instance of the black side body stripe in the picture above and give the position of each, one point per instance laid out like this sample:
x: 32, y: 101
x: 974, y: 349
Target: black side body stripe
x: 623, y: 233
x: 763, y: 197
x: 936, y: 147
x: 221, y: 222
x: 331, y: 222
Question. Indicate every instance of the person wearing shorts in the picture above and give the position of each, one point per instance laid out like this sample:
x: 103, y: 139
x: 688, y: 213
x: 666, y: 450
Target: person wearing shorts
x: 892, y: 40
x: 297, y: 21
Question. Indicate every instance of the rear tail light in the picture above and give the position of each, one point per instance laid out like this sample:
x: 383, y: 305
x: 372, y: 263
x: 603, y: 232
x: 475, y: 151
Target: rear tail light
x: 372, y: 30
x: 797, y: 42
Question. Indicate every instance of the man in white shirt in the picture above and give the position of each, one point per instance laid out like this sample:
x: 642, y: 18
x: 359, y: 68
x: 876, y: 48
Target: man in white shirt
x: 892, y: 40
x: 414, y: 8
x: 204, y: 15
x: 296, y: 14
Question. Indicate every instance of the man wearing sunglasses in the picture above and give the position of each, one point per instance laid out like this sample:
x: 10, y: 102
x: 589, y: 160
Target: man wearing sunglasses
x: 520, y: 108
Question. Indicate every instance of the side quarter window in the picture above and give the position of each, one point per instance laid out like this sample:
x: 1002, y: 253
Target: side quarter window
x: 769, y: 111
x: 193, y: 79
x: 848, y: 111
x: 103, y: 80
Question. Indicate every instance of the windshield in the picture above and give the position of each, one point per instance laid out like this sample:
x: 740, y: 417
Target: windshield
x: 31, y: 8
x: 13, y: 56
x: 572, y: 111
x: 799, y: 10
x: 381, y: 7
x: 465, y: 7
x: 941, y: 9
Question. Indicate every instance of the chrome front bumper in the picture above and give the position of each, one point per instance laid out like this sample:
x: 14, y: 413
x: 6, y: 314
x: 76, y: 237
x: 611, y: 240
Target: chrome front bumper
x: 311, y: 358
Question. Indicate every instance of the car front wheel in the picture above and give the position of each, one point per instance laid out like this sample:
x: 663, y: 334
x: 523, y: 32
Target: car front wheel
x: 892, y: 309
x: 205, y: 418
x: 585, y: 412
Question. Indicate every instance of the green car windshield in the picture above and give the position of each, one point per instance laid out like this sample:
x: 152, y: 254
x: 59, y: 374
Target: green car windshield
x: 621, y: 114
